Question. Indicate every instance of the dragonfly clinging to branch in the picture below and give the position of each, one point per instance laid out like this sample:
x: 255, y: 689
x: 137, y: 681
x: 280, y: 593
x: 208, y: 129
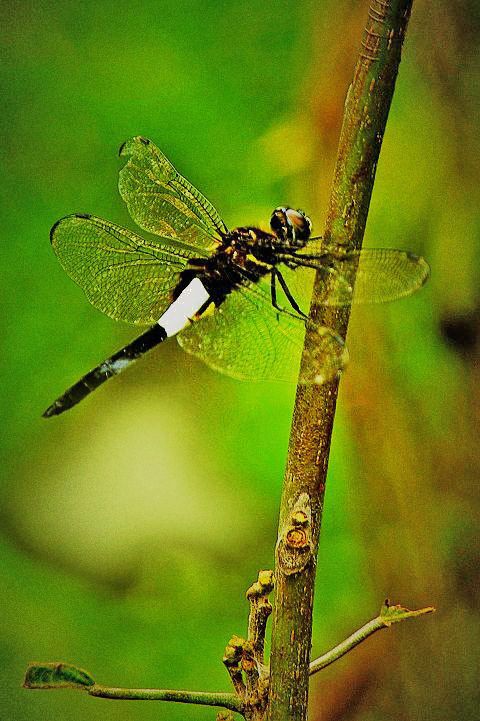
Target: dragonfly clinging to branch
x: 237, y: 298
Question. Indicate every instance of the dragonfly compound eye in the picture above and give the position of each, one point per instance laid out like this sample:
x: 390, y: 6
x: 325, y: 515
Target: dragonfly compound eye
x: 290, y: 224
x: 301, y: 224
x: 279, y: 223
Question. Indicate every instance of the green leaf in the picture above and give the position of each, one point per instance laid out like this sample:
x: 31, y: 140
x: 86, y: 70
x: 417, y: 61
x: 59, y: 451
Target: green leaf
x: 393, y: 614
x: 56, y: 675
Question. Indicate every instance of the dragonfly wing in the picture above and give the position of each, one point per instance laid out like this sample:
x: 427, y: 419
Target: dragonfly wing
x: 372, y: 275
x: 122, y: 274
x: 376, y: 275
x: 162, y: 201
x: 247, y: 338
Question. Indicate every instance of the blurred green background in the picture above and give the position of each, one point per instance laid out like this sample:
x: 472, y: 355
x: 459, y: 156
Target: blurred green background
x: 132, y: 525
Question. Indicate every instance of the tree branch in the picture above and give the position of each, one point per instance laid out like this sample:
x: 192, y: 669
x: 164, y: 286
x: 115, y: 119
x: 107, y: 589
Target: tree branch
x: 366, y: 110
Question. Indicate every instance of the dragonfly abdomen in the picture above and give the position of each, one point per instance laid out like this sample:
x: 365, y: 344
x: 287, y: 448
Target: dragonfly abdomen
x: 176, y: 317
x: 109, y: 368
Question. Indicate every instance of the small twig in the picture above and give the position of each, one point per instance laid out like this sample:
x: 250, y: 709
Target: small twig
x: 387, y: 616
x: 201, y: 698
x: 63, y: 675
x: 245, y: 658
x: 260, y: 610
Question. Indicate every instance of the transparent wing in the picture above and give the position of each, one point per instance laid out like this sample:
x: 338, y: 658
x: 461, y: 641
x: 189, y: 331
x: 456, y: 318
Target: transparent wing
x: 123, y: 275
x: 247, y: 338
x: 162, y: 201
x: 372, y: 275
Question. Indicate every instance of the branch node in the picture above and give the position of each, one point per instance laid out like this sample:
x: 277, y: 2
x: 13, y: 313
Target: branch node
x: 225, y: 716
x: 294, y: 547
x: 232, y: 659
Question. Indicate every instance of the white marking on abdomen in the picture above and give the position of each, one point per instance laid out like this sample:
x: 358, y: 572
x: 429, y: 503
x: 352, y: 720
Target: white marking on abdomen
x: 116, y: 366
x: 189, y: 302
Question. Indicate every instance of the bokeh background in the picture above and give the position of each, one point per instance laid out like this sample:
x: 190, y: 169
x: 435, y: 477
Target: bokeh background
x: 132, y: 525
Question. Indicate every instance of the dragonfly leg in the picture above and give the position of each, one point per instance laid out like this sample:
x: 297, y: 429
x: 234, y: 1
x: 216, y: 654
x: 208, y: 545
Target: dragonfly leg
x: 290, y: 297
x: 273, y: 290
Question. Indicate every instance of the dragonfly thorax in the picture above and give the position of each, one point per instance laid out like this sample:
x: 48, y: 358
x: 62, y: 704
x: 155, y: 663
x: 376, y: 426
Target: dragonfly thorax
x: 249, y: 240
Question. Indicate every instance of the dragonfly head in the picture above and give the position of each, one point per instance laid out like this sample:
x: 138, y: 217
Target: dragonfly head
x: 292, y: 227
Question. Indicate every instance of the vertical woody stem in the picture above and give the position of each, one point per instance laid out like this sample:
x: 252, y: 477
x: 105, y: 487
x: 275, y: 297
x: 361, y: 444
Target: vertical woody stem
x: 366, y: 111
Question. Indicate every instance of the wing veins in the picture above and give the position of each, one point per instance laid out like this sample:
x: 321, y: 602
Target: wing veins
x: 181, y: 207
x: 112, y: 267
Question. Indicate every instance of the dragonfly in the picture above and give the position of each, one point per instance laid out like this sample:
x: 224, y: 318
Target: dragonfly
x: 235, y: 298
